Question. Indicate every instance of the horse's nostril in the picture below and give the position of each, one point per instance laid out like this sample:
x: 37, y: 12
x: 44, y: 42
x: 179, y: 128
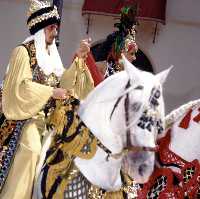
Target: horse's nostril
x: 142, y: 169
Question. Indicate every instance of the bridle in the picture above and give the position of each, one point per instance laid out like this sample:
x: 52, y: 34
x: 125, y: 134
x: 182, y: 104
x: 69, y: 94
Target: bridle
x: 129, y: 147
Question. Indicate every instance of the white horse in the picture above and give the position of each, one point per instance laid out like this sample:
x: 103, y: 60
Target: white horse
x: 179, y: 155
x: 125, y: 113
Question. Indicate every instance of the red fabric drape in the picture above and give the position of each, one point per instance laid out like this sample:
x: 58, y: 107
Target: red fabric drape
x: 94, y: 71
x: 153, y: 10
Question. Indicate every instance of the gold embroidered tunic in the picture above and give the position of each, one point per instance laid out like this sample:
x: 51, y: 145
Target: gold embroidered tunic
x: 26, y: 92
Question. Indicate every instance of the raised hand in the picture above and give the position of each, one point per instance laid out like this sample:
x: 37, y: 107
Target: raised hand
x: 84, y: 48
x: 60, y: 93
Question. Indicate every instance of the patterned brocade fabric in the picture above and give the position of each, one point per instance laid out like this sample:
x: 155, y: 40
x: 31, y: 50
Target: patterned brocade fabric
x: 72, y: 139
x: 38, y: 74
x: 10, y: 133
x: 112, y: 68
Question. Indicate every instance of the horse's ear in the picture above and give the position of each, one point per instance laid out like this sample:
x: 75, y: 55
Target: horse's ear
x: 132, y: 71
x: 162, y: 76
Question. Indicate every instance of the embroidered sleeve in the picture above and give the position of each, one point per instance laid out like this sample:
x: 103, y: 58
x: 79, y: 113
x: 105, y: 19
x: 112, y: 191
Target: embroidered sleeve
x: 78, y: 79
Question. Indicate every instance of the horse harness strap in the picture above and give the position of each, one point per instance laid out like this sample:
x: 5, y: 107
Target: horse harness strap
x: 126, y: 105
x: 105, y: 149
x: 109, y: 153
x: 129, y: 146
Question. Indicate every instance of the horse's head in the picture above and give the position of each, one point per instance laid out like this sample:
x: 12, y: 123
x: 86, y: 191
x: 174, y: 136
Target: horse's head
x: 126, y: 112
x: 143, y: 120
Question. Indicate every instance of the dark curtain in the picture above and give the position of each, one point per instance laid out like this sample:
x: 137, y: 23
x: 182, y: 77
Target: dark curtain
x: 153, y: 10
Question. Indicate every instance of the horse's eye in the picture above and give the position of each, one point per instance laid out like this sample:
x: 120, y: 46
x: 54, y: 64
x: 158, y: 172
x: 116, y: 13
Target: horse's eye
x: 136, y: 106
x: 157, y: 94
x: 140, y: 87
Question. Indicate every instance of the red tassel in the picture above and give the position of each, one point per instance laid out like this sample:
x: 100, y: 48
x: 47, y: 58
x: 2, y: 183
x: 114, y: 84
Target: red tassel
x: 186, y: 120
x: 197, y: 118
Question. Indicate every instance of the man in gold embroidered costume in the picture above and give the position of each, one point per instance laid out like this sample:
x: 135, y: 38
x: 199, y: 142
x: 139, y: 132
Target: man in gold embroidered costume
x: 35, y: 78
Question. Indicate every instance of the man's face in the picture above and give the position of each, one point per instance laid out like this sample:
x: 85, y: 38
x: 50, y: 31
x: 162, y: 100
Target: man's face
x: 130, y: 55
x: 50, y: 32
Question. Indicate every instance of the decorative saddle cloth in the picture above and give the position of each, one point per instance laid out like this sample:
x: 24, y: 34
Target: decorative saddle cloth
x: 60, y: 177
x: 165, y: 183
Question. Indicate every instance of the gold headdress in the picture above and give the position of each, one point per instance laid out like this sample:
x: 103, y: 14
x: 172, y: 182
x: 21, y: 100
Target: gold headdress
x: 40, y: 15
x: 121, y: 40
x: 125, y: 37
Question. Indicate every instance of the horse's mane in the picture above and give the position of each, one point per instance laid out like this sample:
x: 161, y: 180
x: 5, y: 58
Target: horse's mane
x: 180, y: 111
x: 116, y: 80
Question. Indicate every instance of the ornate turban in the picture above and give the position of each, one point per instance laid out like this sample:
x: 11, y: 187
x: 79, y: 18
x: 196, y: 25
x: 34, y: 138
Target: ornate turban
x: 40, y: 15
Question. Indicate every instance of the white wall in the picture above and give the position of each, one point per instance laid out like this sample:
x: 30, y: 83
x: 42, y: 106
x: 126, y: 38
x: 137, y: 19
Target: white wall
x: 12, y: 29
x: 177, y: 42
x: 74, y: 27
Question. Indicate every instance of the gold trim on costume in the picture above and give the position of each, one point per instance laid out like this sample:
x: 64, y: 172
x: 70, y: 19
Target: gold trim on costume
x: 43, y: 17
x: 36, y: 5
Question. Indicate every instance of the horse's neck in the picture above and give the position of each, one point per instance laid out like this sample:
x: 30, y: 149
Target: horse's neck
x: 100, y: 172
x: 96, y: 109
x: 95, y: 112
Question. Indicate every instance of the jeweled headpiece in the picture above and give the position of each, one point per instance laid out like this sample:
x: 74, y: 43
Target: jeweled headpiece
x: 40, y: 15
x: 122, y: 39
x: 125, y: 38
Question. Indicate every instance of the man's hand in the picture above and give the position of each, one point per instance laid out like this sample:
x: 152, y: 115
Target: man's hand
x: 84, y: 48
x: 60, y: 93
